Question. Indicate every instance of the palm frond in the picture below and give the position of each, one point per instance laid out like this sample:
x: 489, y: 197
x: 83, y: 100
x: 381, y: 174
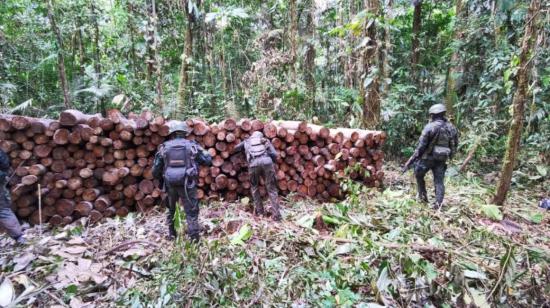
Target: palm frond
x: 21, y: 107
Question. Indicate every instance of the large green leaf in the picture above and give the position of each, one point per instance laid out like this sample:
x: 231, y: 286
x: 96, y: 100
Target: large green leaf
x: 491, y: 211
x: 241, y: 236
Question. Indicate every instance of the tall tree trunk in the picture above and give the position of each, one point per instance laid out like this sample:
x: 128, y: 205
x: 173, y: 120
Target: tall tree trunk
x: 520, y: 98
x: 415, y: 43
x: 309, y: 61
x: 81, y: 54
x: 455, y: 69
x: 293, y: 41
x: 158, y: 60
x: 132, y: 30
x: 186, y: 59
x: 60, y: 57
x: 350, y: 65
x: 384, y: 53
x: 369, y: 86
x: 97, y: 58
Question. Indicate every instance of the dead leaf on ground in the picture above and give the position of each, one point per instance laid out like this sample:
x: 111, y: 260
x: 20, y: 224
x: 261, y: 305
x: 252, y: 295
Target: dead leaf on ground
x: 7, y: 292
x: 138, y: 252
x: 76, y: 241
x: 22, y: 261
x: 75, y: 249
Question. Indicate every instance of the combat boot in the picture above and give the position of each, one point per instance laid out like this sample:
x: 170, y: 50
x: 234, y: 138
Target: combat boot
x: 193, y: 230
x: 259, y: 210
x: 422, y: 198
x: 275, y: 213
x: 20, y: 240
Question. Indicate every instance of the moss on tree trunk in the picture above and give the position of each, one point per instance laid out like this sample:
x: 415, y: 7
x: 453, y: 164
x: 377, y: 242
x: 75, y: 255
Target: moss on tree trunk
x: 520, y: 98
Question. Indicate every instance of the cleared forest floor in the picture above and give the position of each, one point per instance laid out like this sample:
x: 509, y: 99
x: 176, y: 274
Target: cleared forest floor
x: 375, y: 248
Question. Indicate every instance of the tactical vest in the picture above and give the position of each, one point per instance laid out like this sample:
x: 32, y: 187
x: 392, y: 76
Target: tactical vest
x: 255, y: 148
x: 179, y: 161
x: 440, y: 147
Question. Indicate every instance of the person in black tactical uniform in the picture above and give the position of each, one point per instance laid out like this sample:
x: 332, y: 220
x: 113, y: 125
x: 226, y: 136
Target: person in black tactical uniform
x: 8, y: 220
x: 176, y: 166
x: 436, y: 145
x: 261, y: 156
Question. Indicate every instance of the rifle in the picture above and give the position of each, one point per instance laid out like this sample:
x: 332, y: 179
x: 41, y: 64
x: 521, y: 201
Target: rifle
x: 408, y: 165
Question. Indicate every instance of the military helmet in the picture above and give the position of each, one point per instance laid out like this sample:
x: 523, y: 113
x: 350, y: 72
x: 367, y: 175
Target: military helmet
x: 437, y: 108
x: 178, y: 126
x: 257, y: 134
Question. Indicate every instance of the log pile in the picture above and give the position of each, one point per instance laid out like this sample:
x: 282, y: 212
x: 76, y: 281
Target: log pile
x: 100, y: 166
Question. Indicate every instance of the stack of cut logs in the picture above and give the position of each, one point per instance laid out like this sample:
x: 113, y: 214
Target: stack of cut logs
x: 101, y: 166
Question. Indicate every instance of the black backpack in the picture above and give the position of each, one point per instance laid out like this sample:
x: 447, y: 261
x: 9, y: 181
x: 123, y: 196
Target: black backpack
x: 179, y: 161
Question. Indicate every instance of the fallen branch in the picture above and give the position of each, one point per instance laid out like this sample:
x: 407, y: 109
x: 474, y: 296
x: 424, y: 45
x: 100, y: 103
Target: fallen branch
x: 470, y: 155
x: 129, y: 243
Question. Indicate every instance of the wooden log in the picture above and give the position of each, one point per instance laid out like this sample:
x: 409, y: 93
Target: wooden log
x: 64, y: 207
x: 83, y: 208
x: 257, y: 125
x: 55, y: 220
x: 122, y: 212
x: 73, y: 117
x: 20, y: 122
x: 61, y: 136
x: 200, y: 128
x: 91, y: 194
x: 95, y: 216
x: 244, y: 124
x: 102, y: 202
x: 221, y: 181
x: 146, y: 186
x: 130, y: 191
x: 228, y: 124
x: 270, y: 130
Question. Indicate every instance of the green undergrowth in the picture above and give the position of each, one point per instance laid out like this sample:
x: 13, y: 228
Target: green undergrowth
x: 374, y: 248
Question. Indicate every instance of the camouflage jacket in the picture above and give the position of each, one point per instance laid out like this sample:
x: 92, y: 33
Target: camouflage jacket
x: 4, y: 168
x: 202, y: 158
x: 270, y: 151
x: 431, y: 131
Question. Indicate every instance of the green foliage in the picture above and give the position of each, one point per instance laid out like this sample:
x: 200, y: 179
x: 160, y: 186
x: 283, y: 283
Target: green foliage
x: 386, y: 248
x: 491, y: 211
x: 241, y: 65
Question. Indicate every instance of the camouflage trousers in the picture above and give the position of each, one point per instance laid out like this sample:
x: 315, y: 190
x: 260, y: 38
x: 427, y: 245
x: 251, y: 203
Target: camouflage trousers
x: 8, y: 220
x: 190, y: 206
x: 438, y: 169
x: 267, y: 172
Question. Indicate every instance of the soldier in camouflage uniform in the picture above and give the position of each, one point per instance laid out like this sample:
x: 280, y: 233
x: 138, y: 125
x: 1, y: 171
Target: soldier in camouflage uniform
x: 436, y: 145
x: 8, y: 220
x: 176, y: 166
x: 261, y: 156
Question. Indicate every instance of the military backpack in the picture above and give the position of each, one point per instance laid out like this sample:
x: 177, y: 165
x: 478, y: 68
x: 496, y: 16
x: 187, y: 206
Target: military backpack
x: 179, y: 156
x: 255, y: 147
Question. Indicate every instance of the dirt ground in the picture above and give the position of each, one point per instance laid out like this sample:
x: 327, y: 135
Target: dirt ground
x: 82, y: 265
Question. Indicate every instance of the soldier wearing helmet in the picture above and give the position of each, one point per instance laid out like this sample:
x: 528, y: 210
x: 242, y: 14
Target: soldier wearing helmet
x: 261, y: 156
x: 176, y: 167
x: 436, y: 145
x: 8, y: 220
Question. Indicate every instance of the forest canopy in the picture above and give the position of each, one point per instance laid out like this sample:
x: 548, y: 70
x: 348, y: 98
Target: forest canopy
x: 375, y: 64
